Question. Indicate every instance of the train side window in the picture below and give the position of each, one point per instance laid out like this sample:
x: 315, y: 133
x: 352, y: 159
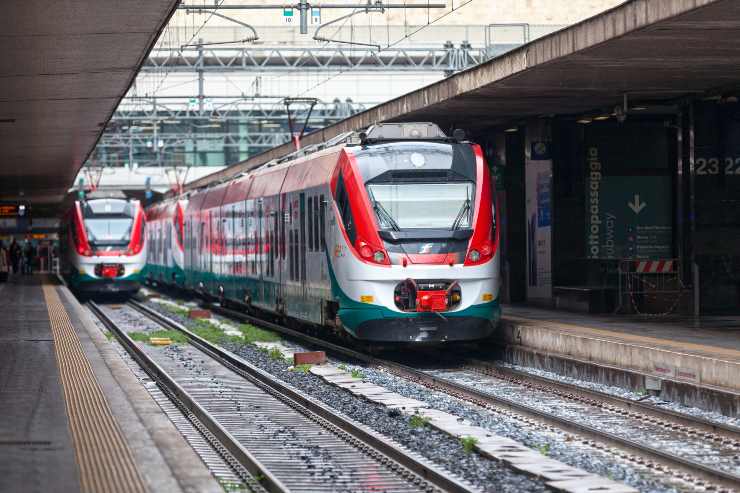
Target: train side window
x: 281, y: 239
x: 291, y: 254
x: 322, y: 223
x: 310, y: 222
x: 303, y: 244
x: 316, y: 209
x: 273, y: 242
x: 345, y: 209
x: 169, y: 242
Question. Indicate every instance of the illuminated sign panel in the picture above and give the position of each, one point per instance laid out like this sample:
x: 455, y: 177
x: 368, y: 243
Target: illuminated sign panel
x: 7, y: 210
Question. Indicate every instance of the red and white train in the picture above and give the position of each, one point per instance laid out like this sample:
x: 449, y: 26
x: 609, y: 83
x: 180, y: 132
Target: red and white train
x: 387, y: 236
x: 102, y: 244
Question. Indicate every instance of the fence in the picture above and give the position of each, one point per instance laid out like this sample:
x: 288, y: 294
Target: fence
x: 650, y: 287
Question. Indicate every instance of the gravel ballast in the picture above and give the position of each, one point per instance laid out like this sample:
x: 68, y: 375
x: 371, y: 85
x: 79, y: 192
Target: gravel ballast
x: 442, y: 448
x: 434, y: 445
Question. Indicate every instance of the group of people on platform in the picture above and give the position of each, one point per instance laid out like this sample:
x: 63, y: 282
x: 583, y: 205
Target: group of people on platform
x: 16, y: 258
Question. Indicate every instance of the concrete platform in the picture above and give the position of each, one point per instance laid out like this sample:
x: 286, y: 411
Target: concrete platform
x: 74, y: 417
x: 696, y: 362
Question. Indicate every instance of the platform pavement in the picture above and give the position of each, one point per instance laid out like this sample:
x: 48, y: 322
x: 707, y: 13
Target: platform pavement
x: 701, y: 353
x: 55, y: 436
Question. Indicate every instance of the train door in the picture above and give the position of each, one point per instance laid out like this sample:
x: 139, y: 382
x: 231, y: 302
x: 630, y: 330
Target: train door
x: 169, y: 263
x: 210, y: 261
x: 220, y: 257
x: 281, y: 276
x: 188, y: 248
x: 230, y: 265
x: 241, y: 250
x: 259, y: 250
x: 274, y: 251
x: 302, y: 244
x: 205, y: 256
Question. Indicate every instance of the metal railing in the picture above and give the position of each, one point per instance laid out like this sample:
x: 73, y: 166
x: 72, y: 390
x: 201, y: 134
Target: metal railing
x: 650, y: 287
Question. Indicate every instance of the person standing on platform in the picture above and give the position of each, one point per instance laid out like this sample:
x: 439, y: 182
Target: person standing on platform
x: 15, y: 256
x: 29, y: 252
x: 4, y: 263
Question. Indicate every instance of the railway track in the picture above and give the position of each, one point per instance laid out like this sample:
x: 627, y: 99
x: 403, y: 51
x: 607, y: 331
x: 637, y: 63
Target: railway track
x: 286, y: 440
x: 700, y: 452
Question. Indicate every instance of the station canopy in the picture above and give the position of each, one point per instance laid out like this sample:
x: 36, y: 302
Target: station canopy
x: 650, y: 50
x: 65, y: 65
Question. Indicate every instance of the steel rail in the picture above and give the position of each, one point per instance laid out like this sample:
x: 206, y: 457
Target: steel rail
x: 245, y: 458
x: 594, y: 396
x: 484, y: 399
x: 265, y: 380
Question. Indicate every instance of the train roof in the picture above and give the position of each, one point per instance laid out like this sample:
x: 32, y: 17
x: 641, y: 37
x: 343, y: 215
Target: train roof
x: 286, y: 174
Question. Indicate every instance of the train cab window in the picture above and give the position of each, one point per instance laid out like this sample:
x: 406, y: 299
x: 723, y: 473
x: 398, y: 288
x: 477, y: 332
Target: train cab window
x: 345, y: 210
x: 400, y: 206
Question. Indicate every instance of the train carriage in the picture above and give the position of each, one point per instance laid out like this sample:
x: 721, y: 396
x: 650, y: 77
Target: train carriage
x: 165, y: 242
x: 387, y: 236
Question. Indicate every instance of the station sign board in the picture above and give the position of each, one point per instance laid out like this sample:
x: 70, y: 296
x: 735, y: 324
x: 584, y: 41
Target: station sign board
x: 288, y: 15
x: 627, y: 216
x: 8, y: 210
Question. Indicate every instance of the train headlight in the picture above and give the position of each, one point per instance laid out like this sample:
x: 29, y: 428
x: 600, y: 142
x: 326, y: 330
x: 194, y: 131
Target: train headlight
x: 366, y: 251
x: 474, y: 255
x: 455, y: 297
x: 379, y: 257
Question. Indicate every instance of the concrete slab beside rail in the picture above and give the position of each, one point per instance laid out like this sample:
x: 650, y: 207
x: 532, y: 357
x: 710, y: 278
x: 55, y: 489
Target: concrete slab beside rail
x: 695, y: 362
x: 75, y: 418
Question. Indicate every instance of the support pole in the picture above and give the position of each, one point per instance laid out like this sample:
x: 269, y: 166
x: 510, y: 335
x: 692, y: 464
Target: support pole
x: 697, y: 289
x: 201, y: 80
x: 303, y: 11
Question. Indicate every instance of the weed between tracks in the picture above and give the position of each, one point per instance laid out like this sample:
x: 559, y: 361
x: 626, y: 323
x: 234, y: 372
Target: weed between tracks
x: 252, y: 333
x: 216, y: 335
x: 468, y: 444
x: 183, y: 312
x: 418, y: 421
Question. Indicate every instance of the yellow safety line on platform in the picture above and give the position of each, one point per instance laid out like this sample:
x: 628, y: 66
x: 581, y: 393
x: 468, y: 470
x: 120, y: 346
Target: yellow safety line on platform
x: 684, y: 347
x: 104, y: 459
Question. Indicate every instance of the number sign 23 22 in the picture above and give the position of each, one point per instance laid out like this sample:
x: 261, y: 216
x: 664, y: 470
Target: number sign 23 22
x: 712, y: 165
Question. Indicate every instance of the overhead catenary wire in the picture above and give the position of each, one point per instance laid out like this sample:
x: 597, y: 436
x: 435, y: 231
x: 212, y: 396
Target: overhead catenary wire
x: 212, y: 11
x: 390, y: 45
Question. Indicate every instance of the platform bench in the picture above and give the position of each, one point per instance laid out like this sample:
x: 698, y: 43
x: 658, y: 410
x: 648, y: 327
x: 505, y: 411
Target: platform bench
x: 585, y: 299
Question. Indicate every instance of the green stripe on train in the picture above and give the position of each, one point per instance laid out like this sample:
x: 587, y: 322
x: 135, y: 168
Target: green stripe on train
x: 76, y: 279
x: 353, y: 313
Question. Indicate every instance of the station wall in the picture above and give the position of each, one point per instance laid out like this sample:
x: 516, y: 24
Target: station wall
x: 662, y: 185
x: 716, y: 186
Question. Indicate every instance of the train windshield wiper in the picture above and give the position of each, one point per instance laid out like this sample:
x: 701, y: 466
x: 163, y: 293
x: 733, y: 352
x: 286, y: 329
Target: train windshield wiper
x: 464, y: 210
x: 382, y: 213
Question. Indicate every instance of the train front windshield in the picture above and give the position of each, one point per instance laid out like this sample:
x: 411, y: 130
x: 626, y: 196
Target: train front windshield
x: 108, y: 222
x: 400, y: 206
x: 420, y: 185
